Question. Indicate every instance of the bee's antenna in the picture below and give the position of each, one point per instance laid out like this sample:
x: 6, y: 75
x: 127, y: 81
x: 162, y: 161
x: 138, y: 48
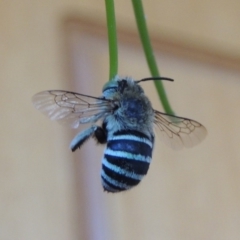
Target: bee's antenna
x: 155, y: 78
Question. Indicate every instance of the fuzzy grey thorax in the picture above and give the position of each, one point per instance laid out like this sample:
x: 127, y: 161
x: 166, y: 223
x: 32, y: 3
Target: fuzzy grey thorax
x: 133, y: 109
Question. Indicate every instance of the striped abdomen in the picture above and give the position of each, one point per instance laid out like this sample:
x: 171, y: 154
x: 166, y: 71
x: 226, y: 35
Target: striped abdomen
x: 126, y: 160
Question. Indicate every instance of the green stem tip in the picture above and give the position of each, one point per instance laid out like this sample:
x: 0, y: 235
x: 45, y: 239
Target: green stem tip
x: 143, y: 32
x: 112, y: 38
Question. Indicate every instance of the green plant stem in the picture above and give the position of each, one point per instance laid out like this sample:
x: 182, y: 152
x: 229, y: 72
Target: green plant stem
x: 112, y: 38
x: 143, y: 32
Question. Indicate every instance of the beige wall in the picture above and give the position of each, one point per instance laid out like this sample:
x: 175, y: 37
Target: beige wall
x: 47, y: 194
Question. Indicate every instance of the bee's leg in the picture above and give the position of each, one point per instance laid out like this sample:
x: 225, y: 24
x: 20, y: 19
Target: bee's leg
x: 101, y: 135
x: 81, y: 137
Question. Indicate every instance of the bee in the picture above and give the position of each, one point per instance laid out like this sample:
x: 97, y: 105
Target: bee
x: 127, y: 123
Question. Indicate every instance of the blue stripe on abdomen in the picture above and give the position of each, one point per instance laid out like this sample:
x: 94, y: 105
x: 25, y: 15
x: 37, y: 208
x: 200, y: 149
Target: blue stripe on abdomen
x: 130, y: 146
x: 125, y: 162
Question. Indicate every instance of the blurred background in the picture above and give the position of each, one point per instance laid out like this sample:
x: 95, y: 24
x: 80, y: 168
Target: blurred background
x: 48, y: 192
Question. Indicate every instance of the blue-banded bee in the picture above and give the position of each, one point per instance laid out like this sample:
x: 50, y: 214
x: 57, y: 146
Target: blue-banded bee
x: 127, y: 127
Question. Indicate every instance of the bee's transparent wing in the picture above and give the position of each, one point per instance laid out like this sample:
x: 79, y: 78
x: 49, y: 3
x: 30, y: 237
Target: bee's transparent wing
x: 71, y: 108
x: 178, y: 132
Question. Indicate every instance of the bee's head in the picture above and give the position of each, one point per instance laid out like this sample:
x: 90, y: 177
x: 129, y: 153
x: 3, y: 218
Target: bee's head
x: 120, y: 85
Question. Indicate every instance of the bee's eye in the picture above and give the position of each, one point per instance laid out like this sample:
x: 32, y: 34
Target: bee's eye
x: 122, y: 85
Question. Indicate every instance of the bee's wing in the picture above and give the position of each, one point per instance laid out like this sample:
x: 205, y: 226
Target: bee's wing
x: 179, y: 132
x: 71, y: 108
